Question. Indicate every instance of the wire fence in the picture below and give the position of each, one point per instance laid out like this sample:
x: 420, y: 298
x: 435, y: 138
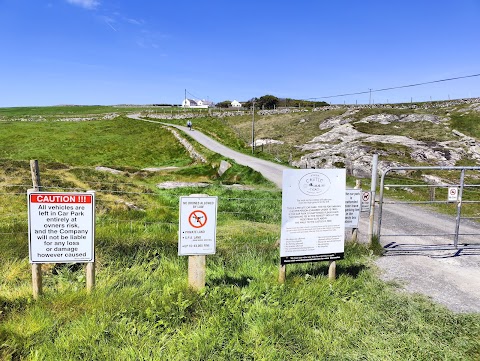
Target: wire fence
x: 134, y: 208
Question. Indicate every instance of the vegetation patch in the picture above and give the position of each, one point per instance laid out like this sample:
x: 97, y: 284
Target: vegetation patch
x: 422, y: 131
x: 467, y: 123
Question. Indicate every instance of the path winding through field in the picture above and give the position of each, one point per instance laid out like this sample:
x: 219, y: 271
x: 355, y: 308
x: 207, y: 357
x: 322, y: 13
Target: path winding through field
x: 448, y: 277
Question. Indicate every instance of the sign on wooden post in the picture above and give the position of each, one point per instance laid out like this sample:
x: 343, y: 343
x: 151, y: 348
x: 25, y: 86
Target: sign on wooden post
x: 313, y: 216
x: 61, y: 229
x: 197, y: 234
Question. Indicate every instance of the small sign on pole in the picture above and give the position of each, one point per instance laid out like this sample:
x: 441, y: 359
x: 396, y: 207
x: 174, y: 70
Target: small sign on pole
x: 197, y: 235
x: 452, y: 194
x: 366, y: 200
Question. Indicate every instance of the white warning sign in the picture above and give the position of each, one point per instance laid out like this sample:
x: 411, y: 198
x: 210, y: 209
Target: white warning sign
x: 352, y: 207
x: 198, y: 226
x: 452, y: 194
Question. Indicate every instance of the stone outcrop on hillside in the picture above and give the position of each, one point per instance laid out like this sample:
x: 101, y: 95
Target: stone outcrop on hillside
x: 344, y: 146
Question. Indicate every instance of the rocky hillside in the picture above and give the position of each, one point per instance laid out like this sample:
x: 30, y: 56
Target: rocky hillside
x: 442, y: 133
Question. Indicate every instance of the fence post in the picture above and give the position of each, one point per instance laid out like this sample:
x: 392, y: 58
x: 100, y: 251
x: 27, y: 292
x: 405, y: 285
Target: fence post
x: 36, y: 267
x: 90, y: 269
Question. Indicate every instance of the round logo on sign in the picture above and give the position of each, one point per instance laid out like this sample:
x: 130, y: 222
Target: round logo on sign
x: 314, y: 184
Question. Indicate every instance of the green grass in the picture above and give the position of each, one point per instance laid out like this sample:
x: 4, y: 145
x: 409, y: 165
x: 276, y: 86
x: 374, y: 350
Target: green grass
x: 60, y: 112
x: 422, y: 131
x: 468, y: 124
x: 142, y: 308
x: 114, y: 143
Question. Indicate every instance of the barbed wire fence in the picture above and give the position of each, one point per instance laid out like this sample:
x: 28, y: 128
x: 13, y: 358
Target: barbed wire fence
x: 134, y: 208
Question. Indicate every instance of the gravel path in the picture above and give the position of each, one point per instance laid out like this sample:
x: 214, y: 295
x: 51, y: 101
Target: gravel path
x: 449, y: 277
x: 269, y: 170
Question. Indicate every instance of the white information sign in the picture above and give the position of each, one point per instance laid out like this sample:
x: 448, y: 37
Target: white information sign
x: 352, y: 207
x: 313, y: 215
x: 61, y: 227
x: 366, y: 201
x: 452, y: 194
x: 198, y: 226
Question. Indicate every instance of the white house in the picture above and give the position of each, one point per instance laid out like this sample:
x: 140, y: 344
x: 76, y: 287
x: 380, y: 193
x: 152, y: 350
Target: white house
x: 205, y: 103
x: 236, y: 104
x: 191, y: 103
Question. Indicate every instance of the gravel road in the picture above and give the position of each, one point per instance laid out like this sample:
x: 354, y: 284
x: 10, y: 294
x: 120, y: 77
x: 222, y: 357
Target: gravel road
x: 448, y: 277
x: 419, y: 265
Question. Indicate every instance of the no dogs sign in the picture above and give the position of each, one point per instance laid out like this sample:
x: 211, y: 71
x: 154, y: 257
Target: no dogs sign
x: 198, y: 224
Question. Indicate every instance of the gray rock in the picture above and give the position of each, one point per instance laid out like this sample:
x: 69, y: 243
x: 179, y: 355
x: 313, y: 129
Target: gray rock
x: 224, y: 166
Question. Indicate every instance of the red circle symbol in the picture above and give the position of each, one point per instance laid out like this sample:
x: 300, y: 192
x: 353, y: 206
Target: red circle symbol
x: 197, y: 219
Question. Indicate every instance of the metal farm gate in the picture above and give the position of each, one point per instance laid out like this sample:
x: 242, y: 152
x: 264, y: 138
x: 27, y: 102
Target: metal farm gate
x: 429, y: 208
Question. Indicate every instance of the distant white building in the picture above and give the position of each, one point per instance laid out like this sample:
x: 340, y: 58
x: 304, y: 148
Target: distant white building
x: 191, y: 103
x: 236, y: 104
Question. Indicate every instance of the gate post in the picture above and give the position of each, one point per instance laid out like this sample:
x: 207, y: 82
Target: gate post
x: 373, y: 187
x: 459, y: 207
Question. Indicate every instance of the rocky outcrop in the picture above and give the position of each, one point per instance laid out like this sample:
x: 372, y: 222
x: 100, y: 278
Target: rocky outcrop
x: 344, y: 146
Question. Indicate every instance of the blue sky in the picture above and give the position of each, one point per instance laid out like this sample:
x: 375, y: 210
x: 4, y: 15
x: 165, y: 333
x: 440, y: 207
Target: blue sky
x: 142, y: 52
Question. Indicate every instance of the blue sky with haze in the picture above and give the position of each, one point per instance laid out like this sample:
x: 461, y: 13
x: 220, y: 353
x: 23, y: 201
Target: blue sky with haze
x: 142, y: 52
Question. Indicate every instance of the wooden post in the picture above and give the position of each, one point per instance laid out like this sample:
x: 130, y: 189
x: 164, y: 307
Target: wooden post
x: 332, y: 270
x: 196, y: 272
x: 282, y: 273
x: 37, y: 280
x: 90, y: 269
x: 90, y: 276
x: 37, y: 288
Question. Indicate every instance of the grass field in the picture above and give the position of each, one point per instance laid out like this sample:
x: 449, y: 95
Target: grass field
x: 142, y: 308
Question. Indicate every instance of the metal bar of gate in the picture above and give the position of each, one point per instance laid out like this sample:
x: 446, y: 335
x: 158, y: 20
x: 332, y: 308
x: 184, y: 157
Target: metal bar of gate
x: 462, y: 179
x: 459, y: 207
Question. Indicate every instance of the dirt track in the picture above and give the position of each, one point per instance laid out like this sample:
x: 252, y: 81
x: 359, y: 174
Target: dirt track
x: 449, y: 277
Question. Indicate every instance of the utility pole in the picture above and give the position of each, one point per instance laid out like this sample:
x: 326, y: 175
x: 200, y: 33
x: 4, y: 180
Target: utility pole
x: 370, y: 99
x: 253, y: 127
